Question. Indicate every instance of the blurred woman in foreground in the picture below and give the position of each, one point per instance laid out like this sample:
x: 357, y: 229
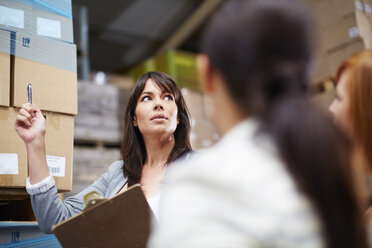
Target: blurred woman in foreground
x: 280, y: 176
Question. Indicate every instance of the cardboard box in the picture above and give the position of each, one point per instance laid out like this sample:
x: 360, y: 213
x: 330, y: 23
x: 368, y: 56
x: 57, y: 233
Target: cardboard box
x: 52, y: 19
x: 364, y: 22
x: 48, y: 24
x: 195, y: 103
x: 344, y: 28
x: 50, y: 67
x: 15, y: 15
x: 364, y: 5
x: 48, y: 64
x: 338, y: 54
x: 327, y: 63
x: 4, y: 79
x: 53, y: 89
x: 338, y: 31
x: 335, y: 21
x: 321, y: 68
x: 59, y: 150
x: 4, y: 69
x: 13, y: 160
x: 325, y: 12
x: 203, y: 134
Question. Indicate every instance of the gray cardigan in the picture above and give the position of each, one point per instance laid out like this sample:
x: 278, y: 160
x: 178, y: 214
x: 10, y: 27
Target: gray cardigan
x: 50, y: 210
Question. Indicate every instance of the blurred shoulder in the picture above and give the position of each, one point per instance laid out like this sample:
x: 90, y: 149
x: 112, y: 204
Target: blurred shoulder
x: 196, y: 163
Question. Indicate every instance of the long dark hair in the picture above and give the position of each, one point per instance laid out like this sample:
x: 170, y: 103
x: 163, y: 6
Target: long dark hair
x: 263, y: 49
x: 133, y: 149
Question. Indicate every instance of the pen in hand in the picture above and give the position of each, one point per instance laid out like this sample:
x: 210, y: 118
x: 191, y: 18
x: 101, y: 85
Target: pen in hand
x: 29, y: 93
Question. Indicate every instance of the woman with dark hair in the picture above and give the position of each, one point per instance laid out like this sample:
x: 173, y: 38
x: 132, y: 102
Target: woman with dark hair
x: 280, y: 176
x: 156, y: 133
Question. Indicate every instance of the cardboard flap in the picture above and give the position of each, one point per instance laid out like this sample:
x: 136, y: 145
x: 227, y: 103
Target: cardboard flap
x: 123, y: 220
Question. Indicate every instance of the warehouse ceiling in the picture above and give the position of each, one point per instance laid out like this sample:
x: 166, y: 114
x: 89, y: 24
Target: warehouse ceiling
x: 125, y: 32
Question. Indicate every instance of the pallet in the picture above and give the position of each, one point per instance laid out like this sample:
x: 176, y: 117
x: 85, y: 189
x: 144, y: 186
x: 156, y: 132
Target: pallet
x: 16, y: 210
x: 100, y: 113
x: 90, y: 162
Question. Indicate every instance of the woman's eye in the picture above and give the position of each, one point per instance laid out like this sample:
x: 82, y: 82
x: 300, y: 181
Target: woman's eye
x: 145, y: 99
x: 168, y: 97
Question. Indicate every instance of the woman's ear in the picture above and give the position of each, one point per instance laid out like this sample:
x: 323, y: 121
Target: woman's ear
x: 205, y: 72
x: 135, y: 121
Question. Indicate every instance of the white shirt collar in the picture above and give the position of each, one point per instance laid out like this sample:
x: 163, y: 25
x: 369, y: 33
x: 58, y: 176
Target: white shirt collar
x: 244, y: 129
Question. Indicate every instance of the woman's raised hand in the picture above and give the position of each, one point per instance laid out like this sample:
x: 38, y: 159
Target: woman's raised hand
x: 30, y: 124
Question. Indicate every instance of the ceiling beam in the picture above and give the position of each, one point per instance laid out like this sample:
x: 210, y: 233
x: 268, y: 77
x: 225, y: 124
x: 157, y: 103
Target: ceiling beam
x: 193, y: 22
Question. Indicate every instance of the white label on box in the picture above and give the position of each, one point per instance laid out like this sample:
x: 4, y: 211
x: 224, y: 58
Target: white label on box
x: 12, y: 17
x: 9, y: 163
x: 359, y: 5
x: 48, y: 27
x: 368, y: 8
x: 353, y: 32
x: 56, y: 165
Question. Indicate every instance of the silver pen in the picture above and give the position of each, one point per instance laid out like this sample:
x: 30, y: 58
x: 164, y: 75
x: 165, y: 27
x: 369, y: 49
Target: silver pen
x: 29, y: 93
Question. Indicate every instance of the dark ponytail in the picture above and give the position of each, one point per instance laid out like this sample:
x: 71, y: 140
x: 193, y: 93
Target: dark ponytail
x: 318, y: 157
x: 263, y: 49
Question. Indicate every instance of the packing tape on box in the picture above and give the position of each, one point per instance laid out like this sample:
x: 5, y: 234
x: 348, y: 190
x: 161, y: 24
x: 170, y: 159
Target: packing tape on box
x: 39, y: 49
x: 38, y: 30
x: 48, y: 18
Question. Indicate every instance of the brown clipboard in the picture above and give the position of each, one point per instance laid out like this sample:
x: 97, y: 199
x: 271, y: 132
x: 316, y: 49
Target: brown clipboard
x: 121, y: 221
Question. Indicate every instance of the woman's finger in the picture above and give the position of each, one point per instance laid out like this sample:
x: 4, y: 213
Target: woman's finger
x: 24, y: 113
x: 35, y: 110
x: 29, y: 107
x: 23, y: 121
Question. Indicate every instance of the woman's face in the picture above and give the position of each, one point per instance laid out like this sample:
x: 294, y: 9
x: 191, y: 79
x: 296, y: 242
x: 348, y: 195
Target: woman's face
x: 341, y: 104
x: 156, y: 111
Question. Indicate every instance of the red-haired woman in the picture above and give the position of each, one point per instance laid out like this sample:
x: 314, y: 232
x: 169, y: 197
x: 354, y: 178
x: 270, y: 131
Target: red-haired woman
x: 352, y: 109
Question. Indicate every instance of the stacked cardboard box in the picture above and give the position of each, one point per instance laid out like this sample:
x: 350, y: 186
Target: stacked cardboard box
x: 341, y: 32
x: 101, y: 114
x: 343, y: 29
x: 203, y: 132
x: 364, y: 21
x: 36, y: 48
x: 91, y: 162
x: 98, y: 131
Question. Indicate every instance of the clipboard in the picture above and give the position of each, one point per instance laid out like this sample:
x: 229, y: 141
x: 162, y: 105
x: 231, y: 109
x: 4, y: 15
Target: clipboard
x: 121, y: 221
